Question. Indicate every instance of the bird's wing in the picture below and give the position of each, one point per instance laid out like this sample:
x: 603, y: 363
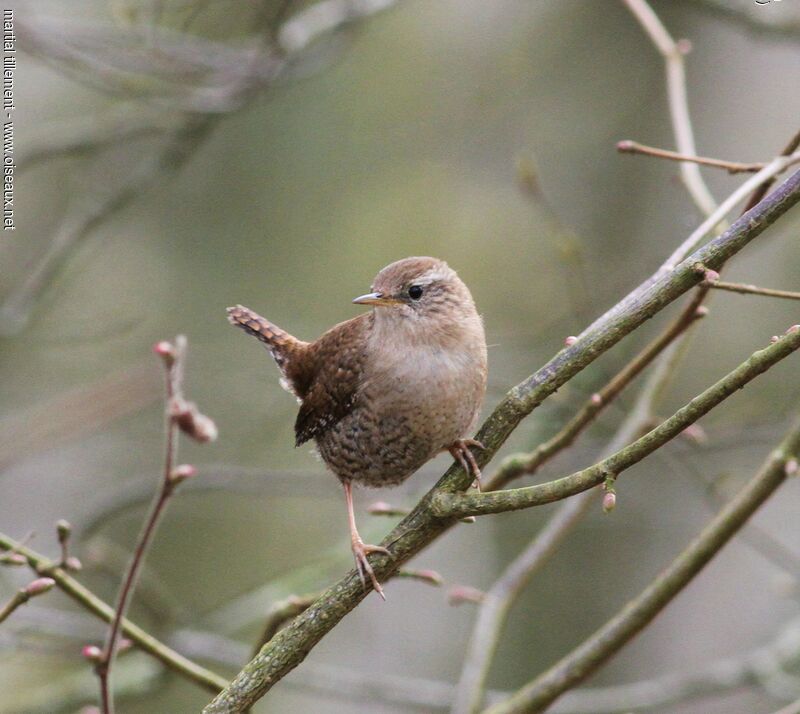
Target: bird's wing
x: 338, y: 369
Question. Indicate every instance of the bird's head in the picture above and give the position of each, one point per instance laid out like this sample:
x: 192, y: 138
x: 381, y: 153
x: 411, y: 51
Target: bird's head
x: 419, y: 289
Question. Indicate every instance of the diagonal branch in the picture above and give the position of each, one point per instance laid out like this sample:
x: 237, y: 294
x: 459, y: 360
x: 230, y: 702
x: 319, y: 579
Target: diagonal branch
x: 732, y: 167
x: 449, y: 505
x: 88, y: 600
x: 609, y: 639
x: 518, y: 464
x: 291, y: 645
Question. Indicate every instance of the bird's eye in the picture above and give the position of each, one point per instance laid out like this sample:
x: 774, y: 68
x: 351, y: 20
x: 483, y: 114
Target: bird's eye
x: 415, y: 292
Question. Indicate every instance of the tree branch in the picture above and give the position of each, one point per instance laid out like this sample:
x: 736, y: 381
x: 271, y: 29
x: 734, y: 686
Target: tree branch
x: 88, y: 600
x: 290, y: 646
x: 178, y: 416
x: 678, y: 102
x: 752, y: 290
x: 449, y: 505
x: 596, y: 650
x: 518, y: 464
x: 733, y: 167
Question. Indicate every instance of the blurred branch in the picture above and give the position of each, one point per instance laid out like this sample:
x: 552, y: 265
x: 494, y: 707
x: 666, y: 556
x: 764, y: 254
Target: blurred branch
x: 448, y: 505
x: 604, y: 643
x: 765, y: 667
x: 793, y: 708
x: 290, y: 646
x: 673, y: 53
x: 76, y: 412
x: 193, y: 81
x: 631, y: 147
x: 146, y: 642
x: 179, y: 416
x: 95, y: 208
x: 76, y: 136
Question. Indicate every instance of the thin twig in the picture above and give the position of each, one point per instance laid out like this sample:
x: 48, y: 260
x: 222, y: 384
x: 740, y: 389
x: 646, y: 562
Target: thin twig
x: 37, y: 587
x: 772, y: 169
x: 761, y: 191
x: 745, y: 289
x: 610, y: 638
x: 449, y: 505
x: 179, y: 415
x: 677, y: 99
x: 88, y: 600
x: 174, y: 373
x: 518, y: 464
x: 733, y: 167
x: 291, y: 645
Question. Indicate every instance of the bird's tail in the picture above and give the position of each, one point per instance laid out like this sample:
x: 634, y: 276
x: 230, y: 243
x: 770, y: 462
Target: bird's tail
x: 280, y: 343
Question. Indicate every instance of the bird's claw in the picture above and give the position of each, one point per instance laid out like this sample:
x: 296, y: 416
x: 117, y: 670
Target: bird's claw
x: 360, y: 552
x: 461, y: 453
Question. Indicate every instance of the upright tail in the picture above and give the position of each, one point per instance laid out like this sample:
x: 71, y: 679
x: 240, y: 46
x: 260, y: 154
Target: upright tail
x: 284, y: 348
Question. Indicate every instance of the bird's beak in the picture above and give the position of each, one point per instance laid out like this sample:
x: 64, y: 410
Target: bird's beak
x: 374, y: 299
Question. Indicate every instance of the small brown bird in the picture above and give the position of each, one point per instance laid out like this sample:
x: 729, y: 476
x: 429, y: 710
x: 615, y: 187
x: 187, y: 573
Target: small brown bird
x: 385, y: 392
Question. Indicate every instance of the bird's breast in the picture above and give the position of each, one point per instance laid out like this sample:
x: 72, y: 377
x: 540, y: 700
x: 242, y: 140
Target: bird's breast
x: 438, y: 391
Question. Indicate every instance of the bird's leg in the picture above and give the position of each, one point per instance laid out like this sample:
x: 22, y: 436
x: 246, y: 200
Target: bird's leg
x: 460, y: 452
x: 361, y: 549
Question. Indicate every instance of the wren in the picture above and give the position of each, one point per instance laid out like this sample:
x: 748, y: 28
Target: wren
x: 383, y: 393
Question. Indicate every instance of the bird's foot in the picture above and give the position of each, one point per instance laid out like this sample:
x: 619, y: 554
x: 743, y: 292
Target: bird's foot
x: 460, y: 452
x: 360, y: 552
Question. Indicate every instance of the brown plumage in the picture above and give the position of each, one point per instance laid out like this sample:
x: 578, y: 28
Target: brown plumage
x: 383, y: 393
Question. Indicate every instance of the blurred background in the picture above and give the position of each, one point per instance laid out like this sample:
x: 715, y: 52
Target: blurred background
x: 169, y: 165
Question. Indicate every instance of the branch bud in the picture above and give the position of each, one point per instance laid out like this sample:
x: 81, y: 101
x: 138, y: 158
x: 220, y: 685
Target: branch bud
x: 165, y: 350
x: 191, y: 422
x: 610, y: 496
x: 695, y: 433
x: 39, y: 586
x: 92, y: 652
x: 432, y: 577
x: 461, y: 594
x: 64, y: 531
x: 13, y: 559
x: 74, y: 564
x: 181, y: 473
x: 381, y: 508
x: 791, y: 468
x: 569, y: 341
